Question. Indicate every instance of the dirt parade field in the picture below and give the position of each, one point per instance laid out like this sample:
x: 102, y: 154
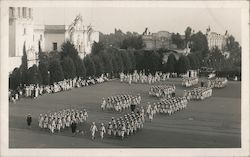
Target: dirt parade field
x: 214, y: 122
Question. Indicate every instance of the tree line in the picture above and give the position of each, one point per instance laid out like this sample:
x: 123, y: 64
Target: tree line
x: 128, y: 55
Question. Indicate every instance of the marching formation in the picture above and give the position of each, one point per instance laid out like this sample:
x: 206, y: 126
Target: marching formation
x: 33, y: 91
x: 127, y: 125
x: 120, y: 103
x: 166, y: 106
x: 143, y: 78
x: 199, y: 93
x: 162, y: 91
x: 130, y: 123
x: 218, y: 82
x: 191, y: 81
x: 62, y: 119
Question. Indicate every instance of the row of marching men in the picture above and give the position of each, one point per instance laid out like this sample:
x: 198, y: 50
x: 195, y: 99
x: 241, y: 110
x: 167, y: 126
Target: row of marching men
x: 119, y: 103
x: 127, y: 125
x: 218, y: 82
x: 143, y: 78
x: 162, y: 90
x: 190, y: 81
x: 199, y: 93
x: 62, y: 119
x: 166, y: 106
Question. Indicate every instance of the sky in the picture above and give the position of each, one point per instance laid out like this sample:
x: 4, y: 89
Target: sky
x: 175, y: 20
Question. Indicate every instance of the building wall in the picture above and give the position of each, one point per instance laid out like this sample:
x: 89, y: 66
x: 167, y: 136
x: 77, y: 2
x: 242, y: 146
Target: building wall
x: 53, y: 38
x: 216, y: 40
x: 161, y: 39
x: 21, y: 33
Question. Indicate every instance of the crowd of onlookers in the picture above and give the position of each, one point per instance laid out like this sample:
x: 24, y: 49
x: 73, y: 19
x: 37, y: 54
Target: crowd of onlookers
x: 34, y: 90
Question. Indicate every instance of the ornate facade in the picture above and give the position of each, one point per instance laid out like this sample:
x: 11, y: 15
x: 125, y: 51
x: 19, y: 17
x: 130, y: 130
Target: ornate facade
x: 216, y: 40
x: 24, y: 34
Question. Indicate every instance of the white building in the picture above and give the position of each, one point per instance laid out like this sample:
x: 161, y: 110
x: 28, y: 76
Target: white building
x: 23, y: 33
x: 216, y: 40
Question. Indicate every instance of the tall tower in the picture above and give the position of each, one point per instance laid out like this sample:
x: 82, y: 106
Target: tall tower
x: 21, y: 34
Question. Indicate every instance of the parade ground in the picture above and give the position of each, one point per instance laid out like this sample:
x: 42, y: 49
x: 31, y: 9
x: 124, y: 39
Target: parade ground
x: 212, y: 123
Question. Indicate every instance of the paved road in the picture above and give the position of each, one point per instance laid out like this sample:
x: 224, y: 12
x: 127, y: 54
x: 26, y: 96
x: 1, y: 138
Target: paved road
x: 212, y: 123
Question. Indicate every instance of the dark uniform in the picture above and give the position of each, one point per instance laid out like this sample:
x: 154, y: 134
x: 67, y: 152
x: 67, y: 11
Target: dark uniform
x: 29, y: 120
x: 73, y: 127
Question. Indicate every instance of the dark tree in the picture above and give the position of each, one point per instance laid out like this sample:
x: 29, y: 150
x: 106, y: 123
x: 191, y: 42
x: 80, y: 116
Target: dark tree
x: 120, y: 64
x: 56, y: 72
x: 193, y: 62
x: 43, y: 70
x: 15, y: 78
x: 98, y: 64
x: 140, y: 60
x: 132, y: 58
x: 69, y: 50
x: 97, y: 48
x: 80, y: 68
x: 114, y: 65
x: 199, y: 44
x: 170, y: 65
x: 154, y: 61
x: 90, y: 66
x: 68, y: 67
x: 34, y: 76
x: 24, y: 66
x: 176, y: 39
x: 107, y: 62
x: 188, y: 33
x: 132, y: 42
x: 183, y: 65
x: 126, y: 62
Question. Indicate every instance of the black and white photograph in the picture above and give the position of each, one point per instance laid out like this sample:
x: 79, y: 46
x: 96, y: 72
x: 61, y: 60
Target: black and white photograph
x: 124, y: 78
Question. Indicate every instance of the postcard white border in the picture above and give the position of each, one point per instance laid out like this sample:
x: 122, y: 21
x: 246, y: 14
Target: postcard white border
x: 244, y: 151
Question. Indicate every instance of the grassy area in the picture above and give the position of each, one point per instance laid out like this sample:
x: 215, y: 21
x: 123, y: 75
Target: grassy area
x: 214, y: 122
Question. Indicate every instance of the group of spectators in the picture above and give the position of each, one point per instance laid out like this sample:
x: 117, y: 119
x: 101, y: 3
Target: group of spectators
x: 199, y: 93
x: 190, y: 81
x: 62, y: 119
x: 34, y: 90
x: 162, y: 90
x: 218, y: 82
x: 121, y: 103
